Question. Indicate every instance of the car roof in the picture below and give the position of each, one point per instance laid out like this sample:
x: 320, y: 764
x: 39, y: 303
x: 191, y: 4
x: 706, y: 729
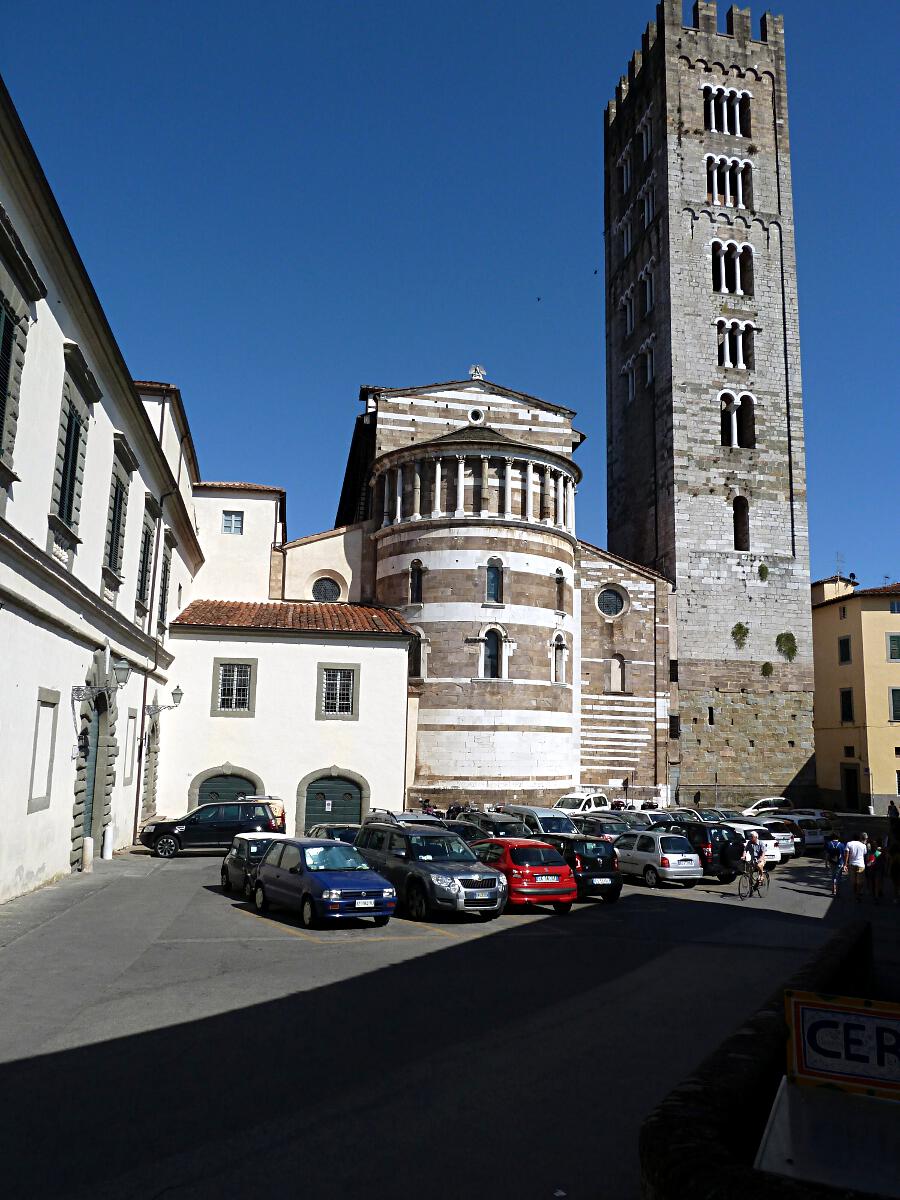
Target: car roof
x: 537, y: 809
x: 255, y: 836
x: 516, y: 841
x: 407, y: 827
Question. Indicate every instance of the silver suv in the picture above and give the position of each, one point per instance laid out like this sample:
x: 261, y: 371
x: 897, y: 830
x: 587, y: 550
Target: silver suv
x: 432, y: 869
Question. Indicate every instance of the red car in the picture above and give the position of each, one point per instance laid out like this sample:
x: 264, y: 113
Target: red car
x: 535, y: 872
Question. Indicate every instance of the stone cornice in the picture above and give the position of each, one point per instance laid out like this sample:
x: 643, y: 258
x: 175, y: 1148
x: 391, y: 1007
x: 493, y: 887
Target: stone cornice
x: 449, y: 522
x: 17, y: 260
x: 31, y: 561
x: 448, y: 449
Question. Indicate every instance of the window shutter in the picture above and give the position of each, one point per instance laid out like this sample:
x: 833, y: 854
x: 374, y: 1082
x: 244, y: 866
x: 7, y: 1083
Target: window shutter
x: 6, y: 348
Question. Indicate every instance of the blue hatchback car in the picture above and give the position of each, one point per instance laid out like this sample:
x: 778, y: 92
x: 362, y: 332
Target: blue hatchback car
x: 325, y: 880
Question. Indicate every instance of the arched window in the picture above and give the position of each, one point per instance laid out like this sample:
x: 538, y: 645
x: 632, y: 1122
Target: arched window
x: 493, y: 655
x: 559, y: 659
x: 560, y: 590
x: 746, y: 422
x: 732, y: 268
x: 326, y: 590
x: 741, y: 514
x: 617, y: 673
x: 494, y: 582
x: 415, y: 582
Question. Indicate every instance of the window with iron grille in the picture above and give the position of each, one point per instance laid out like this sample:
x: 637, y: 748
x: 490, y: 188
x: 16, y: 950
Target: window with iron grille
x: 337, y: 694
x: 234, y: 687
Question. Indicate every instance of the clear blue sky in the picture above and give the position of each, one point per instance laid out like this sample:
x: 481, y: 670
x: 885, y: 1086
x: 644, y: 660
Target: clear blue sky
x: 282, y: 201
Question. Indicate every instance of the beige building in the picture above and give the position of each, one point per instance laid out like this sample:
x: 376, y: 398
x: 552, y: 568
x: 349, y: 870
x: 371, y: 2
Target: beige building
x: 856, y: 642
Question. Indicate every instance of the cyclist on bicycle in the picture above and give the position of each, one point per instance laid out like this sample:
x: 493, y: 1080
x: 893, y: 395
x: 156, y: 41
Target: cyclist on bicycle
x: 755, y: 855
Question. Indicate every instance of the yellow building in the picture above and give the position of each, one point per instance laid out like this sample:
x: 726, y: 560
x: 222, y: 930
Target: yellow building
x: 856, y: 646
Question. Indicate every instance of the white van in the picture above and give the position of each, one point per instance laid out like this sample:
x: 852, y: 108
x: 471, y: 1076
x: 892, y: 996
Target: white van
x: 540, y: 820
x: 579, y: 802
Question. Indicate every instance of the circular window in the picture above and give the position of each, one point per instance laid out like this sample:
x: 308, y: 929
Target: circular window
x: 611, y: 602
x: 326, y: 590
x: 476, y: 416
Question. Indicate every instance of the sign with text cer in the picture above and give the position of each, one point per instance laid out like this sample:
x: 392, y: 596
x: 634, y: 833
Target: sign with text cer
x: 843, y: 1042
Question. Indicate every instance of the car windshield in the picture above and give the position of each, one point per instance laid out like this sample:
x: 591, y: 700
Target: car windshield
x: 259, y: 846
x: 709, y: 814
x: 564, y: 802
x: 535, y: 856
x: 675, y: 845
x: 557, y: 825
x: 610, y: 826
x: 334, y: 858
x: 594, y: 849
x: 505, y: 828
x: 434, y: 848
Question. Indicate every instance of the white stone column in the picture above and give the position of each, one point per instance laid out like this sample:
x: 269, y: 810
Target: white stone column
x: 737, y: 272
x: 732, y: 413
x: 529, y: 489
x: 417, y: 490
x: 560, y: 516
x: 726, y: 344
x: 507, y: 487
x: 570, y: 505
x: 723, y: 100
x: 712, y: 109
x: 460, y: 486
x: 740, y: 185
x: 436, y: 498
x: 726, y: 169
x: 739, y: 347
x: 386, y: 515
x: 485, y: 494
x: 719, y: 251
x: 398, y: 511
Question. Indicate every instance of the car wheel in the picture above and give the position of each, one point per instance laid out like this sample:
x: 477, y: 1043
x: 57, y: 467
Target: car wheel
x: 308, y: 913
x: 651, y: 877
x: 562, y: 908
x: 611, y: 897
x: 259, y: 899
x: 248, y: 890
x: 226, y: 882
x: 165, y: 846
x: 381, y: 921
x: 417, y: 902
x: 727, y: 876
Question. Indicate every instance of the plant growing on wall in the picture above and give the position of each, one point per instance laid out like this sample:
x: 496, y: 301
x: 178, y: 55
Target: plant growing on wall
x: 763, y: 572
x: 786, y: 645
x: 766, y: 670
x: 739, y: 635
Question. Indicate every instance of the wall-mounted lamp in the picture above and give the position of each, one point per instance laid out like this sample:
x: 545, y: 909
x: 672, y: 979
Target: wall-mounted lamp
x: 153, y: 710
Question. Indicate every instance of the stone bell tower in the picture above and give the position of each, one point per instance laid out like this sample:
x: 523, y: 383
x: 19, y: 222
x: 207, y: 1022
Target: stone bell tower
x: 706, y: 479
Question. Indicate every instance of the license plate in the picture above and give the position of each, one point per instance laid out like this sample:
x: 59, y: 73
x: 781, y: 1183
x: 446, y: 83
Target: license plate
x: 545, y: 879
x: 365, y: 904
x: 603, y: 880
x: 684, y: 862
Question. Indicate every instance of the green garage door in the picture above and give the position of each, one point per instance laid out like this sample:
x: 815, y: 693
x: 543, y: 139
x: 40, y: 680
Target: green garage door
x: 332, y: 800
x: 225, y: 788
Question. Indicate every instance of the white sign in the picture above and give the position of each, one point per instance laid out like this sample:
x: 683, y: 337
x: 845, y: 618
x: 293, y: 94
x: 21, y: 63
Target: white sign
x: 848, y: 1043
x: 328, y: 806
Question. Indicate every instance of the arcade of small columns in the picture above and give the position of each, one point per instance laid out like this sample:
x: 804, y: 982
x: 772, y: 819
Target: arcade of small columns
x: 555, y: 493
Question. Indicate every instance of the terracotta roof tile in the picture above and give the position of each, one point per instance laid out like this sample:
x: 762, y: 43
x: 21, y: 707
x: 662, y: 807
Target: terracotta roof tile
x: 300, y: 616
x: 239, y: 487
x: 887, y: 589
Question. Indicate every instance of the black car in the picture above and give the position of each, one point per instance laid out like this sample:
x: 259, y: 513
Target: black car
x: 211, y: 826
x: 467, y: 830
x: 719, y: 846
x: 240, y: 863
x: 342, y: 831
x: 432, y: 869
x: 594, y: 864
x: 498, y: 824
x: 606, y: 827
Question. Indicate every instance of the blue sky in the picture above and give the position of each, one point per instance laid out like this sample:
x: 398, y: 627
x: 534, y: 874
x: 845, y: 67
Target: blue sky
x: 280, y: 203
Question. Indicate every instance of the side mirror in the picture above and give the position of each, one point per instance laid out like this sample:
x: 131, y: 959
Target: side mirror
x: 293, y: 870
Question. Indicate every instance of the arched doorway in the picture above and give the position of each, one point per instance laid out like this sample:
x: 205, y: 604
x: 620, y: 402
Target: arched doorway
x: 332, y: 798
x: 95, y: 771
x: 225, y: 789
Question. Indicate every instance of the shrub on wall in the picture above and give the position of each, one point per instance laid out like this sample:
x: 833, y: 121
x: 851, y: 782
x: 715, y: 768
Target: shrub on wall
x: 766, y: 669
x: 763, y: 572
x: 739, y: 635
x: 786, y: 645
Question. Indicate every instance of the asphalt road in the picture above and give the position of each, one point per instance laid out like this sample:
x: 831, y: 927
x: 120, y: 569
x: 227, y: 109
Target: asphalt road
x: 159, y: 1039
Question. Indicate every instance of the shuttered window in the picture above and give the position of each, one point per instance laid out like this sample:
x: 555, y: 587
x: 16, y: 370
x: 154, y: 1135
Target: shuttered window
x: 71, y: 446
x: 7, y: 330
x: 145, y: 561
x: 164, y: 586
x: 115, y: 531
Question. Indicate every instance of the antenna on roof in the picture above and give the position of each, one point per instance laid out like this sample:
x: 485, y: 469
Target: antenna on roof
x: 838, y: 564
x: 477, y: 371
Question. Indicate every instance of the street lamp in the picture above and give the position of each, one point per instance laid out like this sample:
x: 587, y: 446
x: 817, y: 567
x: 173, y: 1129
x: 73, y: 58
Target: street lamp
x: 153, y: 710
x: 122, y: 672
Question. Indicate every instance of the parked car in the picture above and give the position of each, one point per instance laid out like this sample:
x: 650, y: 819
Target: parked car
x: 716, y: 814
x: 244, y: 856
x: 540, y: 820
x: 730, y: 814
x: 467, y: 830
x: 745, y: 828
x: 608, y: 827
x: 649, y: 805
x: 324, y: 879
x: 578, y: 802
x: 681, y: 810
x: 211, y: 826
x: 432, y: 869
x: 767, y: 804
x: 342, y: 832
x: 718, y: 846
x: 593, y: 861
x: 498, y: 824
x: 787, y: 834
x: 638, y: 820
x: 817, y: 830
x: 401, y: 818
x: 657, y: 855
x: 535, y: 872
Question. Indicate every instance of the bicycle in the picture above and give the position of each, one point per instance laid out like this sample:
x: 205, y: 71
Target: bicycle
x: 751, y: 881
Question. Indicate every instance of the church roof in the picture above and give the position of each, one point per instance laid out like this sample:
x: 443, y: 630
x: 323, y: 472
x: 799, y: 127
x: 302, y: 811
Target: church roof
x: 480, y: 435
x: 625, y: 562
x: 294, y: 616
x: 474, y: 385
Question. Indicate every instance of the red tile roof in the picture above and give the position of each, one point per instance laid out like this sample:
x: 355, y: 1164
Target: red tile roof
x: 239, y: 487
x: 300, y: 616
x: 887, y: 589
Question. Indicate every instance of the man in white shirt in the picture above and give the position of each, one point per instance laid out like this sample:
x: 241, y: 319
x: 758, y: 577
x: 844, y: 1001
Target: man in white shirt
x: 855, y: 863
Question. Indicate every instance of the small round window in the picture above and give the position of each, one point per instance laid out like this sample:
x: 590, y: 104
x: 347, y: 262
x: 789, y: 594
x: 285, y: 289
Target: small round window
x: 326, y: 590
x: 476, y: 416
x: 611, y: 602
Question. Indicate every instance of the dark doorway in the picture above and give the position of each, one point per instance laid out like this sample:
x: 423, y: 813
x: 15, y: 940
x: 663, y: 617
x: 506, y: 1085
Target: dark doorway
x: 225, y: 788
x: 95, y: 771
x: 850, y: 786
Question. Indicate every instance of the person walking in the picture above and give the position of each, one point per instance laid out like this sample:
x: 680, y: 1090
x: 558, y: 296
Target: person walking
x: 834, y: 858
x: 893, y: 812
x: 876, y: 861
x: 855, y: 863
